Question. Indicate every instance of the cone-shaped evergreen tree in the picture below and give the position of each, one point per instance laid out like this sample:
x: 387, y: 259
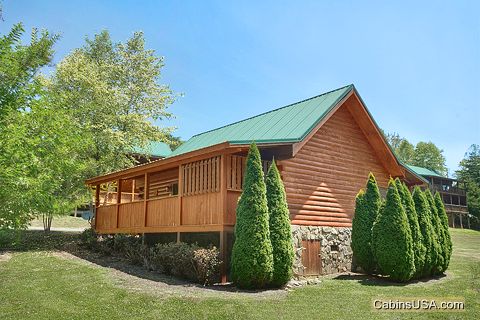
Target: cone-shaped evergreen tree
x: 252, y: 259
x: 423, y: 214
x: 280, y: 229
x: 437, y: 238
x: 419, y: 249
x: 392, y: 238
x: 447, y: 245
x: 366, y: 210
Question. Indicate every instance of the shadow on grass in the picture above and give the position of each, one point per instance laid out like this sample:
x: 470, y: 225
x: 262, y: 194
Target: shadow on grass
x: 380, y: 281
x: 119, y: 264
x: 37, y: 240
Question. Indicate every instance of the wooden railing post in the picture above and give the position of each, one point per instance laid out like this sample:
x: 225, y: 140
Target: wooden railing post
x: 96, y: 205
x: 223, y: 186
x: 145, y: 196
x: 181, y: 177
x: 119, y: 200
x: 97, y: 195
x: 223, y: 256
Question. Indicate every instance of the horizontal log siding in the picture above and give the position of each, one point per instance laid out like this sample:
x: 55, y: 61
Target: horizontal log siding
x: 324, y: 177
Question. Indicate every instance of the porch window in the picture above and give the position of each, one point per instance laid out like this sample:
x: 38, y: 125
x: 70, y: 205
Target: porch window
x: 132, y: 189
x: 108, y: 193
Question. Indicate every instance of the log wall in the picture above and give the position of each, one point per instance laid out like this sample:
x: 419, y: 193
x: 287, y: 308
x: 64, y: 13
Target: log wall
x: 325, y: 175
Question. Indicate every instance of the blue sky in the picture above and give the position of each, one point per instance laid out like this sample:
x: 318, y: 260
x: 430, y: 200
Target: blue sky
x: 416, y: 64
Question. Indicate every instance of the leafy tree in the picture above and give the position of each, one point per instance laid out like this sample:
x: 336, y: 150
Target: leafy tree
x: 406, y: 151
x: 402, y: 148
x: 19, y: 91
x: 280, y: 229
x: 429, y: 156
x: 425, y: 223
x: 437, y: 236
x: 174, y: 142
x: 419, y: 249
x: 252, y: 258
x: 392, y: 238
x: 19, y: 64
x: 55, y: 178
x: 447, y: 240
x: 470, y: 165
x: 393, y: 139
x: 83, y: 120
x: 112, y: 92
x: 366, y: 210
x: 424, y: 154
x: 470, y: 174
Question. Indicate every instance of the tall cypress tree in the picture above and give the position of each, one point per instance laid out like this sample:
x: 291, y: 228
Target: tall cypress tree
x: 392, y: 238
x: 366, y: 210
x: 437, y: 234
x: 252, y: 259
x: 447, y: 240
x: 419, y: 249
x: 423, y: 214
x: 280, y: 229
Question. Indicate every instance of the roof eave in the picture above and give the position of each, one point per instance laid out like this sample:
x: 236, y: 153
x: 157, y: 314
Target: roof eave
x: 129, y: 172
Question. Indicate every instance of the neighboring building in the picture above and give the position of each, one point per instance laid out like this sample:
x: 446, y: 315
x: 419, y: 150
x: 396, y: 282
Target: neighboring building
x: 325, y: 148
x: 453, y: 193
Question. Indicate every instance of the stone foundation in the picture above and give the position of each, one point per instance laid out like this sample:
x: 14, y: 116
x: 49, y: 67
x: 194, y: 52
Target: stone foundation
x: 335, y: 251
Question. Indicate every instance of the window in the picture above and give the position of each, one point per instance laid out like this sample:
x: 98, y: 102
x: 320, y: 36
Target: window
x: 174, y: 188
x: 163, y: 184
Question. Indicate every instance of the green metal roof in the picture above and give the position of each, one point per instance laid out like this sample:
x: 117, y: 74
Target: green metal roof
x: 424, y: 172
x: 155, y: 148
x: 291, y: 123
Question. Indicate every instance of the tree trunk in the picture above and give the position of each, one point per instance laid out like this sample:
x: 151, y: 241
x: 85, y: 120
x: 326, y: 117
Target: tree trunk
x: 47, y: 221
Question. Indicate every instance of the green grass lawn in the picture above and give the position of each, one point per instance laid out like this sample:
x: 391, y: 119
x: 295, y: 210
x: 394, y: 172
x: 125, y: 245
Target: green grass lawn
x: 63, y: 222
x: 36, y: 285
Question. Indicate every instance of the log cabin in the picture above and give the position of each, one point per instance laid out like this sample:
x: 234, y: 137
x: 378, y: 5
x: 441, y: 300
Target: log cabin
x: 324, y: 146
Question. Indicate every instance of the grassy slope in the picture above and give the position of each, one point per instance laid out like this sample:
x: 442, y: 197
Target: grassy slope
x: 63, y: 222
x: 37, y: 285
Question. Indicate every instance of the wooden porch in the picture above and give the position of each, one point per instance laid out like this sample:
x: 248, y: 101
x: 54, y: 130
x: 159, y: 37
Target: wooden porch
x: 199, y: 195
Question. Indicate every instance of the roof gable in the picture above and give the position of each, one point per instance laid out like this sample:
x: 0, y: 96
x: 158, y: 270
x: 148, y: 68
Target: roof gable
x: 291, y: 123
